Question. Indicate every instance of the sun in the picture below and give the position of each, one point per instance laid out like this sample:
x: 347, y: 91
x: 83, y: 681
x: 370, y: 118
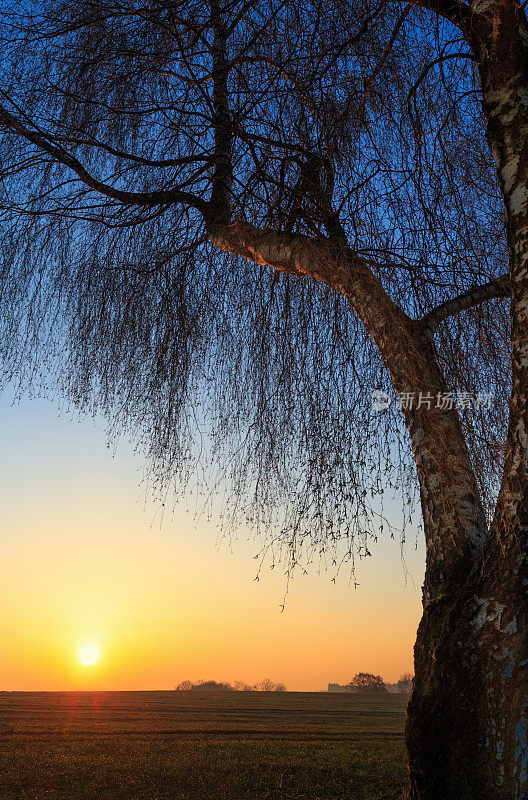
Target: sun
x: 89, y: 654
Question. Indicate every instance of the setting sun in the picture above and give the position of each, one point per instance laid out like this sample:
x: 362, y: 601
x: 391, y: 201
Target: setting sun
x: 89, y: 654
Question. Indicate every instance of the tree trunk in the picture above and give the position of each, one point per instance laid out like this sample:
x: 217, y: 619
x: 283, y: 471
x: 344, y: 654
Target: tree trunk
x: 444, y: 727
x: 467, y: 719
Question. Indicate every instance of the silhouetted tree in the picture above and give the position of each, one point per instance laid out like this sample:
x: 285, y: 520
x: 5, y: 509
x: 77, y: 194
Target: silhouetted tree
x: 238, y: 218
x: 242, y: 686
x: 268, y: 685
x: 367, y: 682
x: 213, y: 686
x: 184, y: 686
x: 405, y: 683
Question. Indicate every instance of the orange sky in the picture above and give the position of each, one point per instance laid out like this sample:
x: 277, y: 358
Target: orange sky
x: 84, y: 559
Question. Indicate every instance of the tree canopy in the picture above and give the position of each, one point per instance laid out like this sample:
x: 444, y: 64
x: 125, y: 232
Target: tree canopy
x: 367, y: 682
x: 149, y: 154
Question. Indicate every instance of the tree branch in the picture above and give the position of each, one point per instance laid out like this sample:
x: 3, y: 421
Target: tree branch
x: 293, y: 253
x: 330, y: 262
x: 500, y: 287
x: 455, y: 11
x: 61, y: 156
x: 388, y: 48
x: 410, y: 359
x: 223, y: 127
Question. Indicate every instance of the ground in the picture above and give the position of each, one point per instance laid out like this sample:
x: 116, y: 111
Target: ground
x: 201, y: 746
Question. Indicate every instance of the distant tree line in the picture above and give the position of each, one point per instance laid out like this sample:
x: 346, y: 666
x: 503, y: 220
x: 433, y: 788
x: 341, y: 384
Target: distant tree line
x: 266, y: 685
x: 368, y: 682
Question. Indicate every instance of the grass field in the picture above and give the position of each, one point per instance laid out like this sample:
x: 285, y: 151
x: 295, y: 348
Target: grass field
x: 200, y: 746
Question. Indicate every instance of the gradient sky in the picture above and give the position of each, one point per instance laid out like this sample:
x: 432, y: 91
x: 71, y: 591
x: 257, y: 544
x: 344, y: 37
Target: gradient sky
x: 86, y: 558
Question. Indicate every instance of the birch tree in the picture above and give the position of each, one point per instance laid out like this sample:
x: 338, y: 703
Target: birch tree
x: 238, y: 219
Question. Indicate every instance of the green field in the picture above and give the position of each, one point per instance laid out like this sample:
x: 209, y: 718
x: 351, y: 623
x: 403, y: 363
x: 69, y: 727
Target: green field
x: 200, y: 746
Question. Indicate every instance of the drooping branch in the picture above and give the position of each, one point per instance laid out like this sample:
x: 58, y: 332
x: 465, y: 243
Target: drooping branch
x: 411, y: 362
x: 331, y: 263
x: 304, y: 256
x: 127, y: 156
x: 61, y: 156
x: 388, y: 48
x: 496, y: 289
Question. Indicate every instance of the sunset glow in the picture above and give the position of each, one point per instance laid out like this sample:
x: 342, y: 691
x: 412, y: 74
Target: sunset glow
x: 89, y: 654
x: 84, y: 563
